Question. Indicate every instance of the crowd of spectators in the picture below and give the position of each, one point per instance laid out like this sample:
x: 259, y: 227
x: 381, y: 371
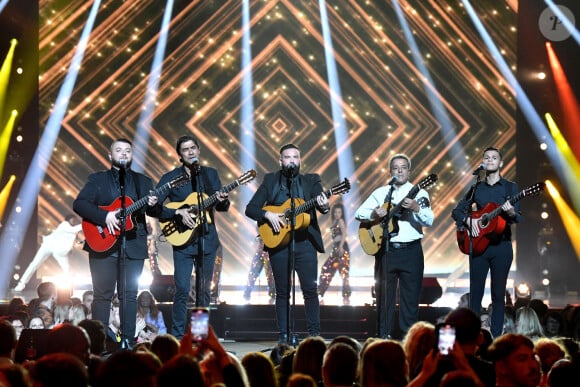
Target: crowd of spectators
x: 538, y: 348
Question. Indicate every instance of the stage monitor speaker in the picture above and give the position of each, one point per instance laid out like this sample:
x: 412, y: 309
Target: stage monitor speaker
x: 431, y: 291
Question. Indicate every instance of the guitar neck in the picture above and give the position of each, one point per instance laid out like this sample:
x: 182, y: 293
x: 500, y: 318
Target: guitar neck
x: 307, y: 206
x: 143, y: 201
x: 513, y: 200
x: 210, y: 201
x: 411, y: 195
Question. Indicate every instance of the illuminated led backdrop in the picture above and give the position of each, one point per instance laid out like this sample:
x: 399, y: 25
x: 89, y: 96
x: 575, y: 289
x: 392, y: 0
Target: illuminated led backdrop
x: 385, y: 101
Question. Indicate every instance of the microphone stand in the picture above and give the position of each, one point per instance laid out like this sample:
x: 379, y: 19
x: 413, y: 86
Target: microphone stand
x: 291, y: 285
x: 381, y: 269
x: 201, y: 230
x: 469, y: 219
x: 122, y: 262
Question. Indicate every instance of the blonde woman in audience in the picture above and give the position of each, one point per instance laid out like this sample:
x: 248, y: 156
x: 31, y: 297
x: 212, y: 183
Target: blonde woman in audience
x: 528, y: 323
x: 417, y: 343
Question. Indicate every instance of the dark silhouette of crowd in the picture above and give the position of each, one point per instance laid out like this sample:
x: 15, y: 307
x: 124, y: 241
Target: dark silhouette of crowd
x: 540, y: 348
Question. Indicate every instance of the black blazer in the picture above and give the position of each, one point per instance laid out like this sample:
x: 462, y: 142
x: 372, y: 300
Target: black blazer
x: 102, y: 189
x: 264, y: 196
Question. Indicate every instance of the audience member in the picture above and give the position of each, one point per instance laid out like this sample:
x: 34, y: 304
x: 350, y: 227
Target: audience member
x: 514, y: 361
x: 467, y: 337
x: 43, y: 306
x: 260, y: 370
x: 563, y: 373
x: 18, y: 321
x: 7, y: 342
x: 354, y: 344
x: 14, y: 375
x: 71, y: 339
x: 308, y: 358
x: 383, y: 363
x: 179, y: 370
x: 418, y: 342
x: 59, y: 370
x: 552, y: 323
x: 126, y: 368
x: 36, y: 322
x: 97, y: 336
x: 528, y: 323
x: 165, y: 346
x: 548, y: 352
x: 301, y: 380
x: 150, y: 322
x: 539, y: 307
x: 87, y: 300
x: 339, y: 366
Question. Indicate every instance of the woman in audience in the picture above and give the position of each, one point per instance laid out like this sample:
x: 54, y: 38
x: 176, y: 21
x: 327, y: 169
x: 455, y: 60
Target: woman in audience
x: 417, y: 343
x: 528, y: 324
x: 383, y: 363
x: 150, y: 322
x: 309, y: 356
x: 260, y: 370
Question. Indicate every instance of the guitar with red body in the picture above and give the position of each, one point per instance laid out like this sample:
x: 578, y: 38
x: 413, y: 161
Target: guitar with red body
x: 491, y: 226
x: 100, y: 239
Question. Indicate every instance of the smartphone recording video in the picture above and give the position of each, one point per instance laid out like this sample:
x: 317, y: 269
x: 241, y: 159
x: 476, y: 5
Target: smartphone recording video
x: 445, y: 338
x: 199, y: 323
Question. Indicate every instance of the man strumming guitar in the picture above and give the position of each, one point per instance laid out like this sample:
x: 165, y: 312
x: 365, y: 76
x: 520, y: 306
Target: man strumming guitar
x: 275, y: 191
x: 102, y: 189
x: 491, y: 190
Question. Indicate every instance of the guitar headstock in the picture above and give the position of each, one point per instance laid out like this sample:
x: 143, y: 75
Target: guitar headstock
x: 247, y: 177
x: 179, y: 181
x: 341, y: 187
x: 428, y: 181
x: 534, y: 189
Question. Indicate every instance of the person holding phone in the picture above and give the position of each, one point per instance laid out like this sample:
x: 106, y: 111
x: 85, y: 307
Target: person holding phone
x: 460, y: 355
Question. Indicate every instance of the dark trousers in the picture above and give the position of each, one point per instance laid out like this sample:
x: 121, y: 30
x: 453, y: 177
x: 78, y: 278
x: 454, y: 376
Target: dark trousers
x: 497, y: 260
x: 107, y: 274
x: 402, y: 268
x: 183, y: 264
x: 306, y: 266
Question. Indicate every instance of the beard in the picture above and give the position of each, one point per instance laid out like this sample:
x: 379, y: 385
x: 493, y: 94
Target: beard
x: 291, y: 170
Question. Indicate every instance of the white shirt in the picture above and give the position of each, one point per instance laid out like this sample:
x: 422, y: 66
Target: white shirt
x: 411, y: 223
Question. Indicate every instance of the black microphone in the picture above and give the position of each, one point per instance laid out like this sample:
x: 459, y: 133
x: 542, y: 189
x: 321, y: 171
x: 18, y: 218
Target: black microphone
x: 123, y: 163
x: 479, y: 169
x: 393, y: 180
x: 195, y: 161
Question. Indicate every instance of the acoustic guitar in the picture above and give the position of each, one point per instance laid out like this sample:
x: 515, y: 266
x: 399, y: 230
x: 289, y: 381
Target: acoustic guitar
x: 371, y: 233
x: 178, y: 233
x: 100, y: 239
x: 491, y: 226
x: 302, y: 217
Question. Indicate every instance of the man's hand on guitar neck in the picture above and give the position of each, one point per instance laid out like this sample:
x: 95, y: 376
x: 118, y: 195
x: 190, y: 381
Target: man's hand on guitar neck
x: 509, y: 209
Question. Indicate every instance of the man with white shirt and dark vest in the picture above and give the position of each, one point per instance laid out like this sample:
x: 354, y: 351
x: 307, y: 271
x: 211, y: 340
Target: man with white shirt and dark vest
x: 399, y: 260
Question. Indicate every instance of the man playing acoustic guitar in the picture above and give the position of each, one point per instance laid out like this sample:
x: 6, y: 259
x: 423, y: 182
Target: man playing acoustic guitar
x: 275, y: 194
x: 399, y: 261
x: 189, y: 220
x: 99, y: 204
x: 497, y: 257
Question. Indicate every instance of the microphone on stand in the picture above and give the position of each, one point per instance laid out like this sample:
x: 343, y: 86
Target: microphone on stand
x: 479, y: 169
x: 194, y: 164
x: 123, y: 163
x: 393, y: 180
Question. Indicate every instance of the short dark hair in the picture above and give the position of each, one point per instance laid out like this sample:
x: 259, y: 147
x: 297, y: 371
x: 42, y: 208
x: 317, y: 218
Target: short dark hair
x: 491, y: 148
x: 505, y: 345
x: 122, y: 139
x: 185, y: 138
x: 289, y: 146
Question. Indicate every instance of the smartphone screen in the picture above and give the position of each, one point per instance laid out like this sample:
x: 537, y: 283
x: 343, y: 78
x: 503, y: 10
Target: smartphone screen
x: 445, y: 338
x: 199, y: 323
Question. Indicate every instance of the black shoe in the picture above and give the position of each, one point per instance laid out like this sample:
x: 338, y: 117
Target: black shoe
x: 283, y: 338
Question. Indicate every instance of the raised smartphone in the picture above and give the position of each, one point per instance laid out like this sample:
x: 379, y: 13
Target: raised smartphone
x: 445, y: 338
x: 199, y: 323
